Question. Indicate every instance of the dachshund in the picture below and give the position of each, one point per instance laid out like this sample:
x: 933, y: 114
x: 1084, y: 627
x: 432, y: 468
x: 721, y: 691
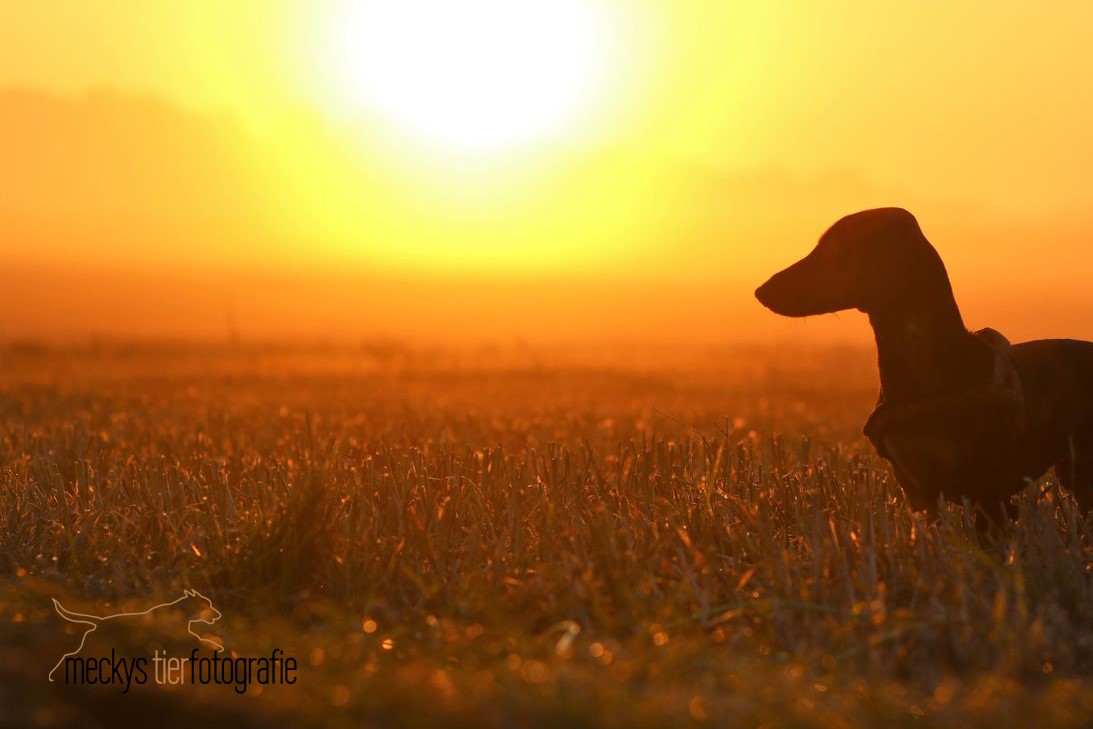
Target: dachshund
x: 961, y: 415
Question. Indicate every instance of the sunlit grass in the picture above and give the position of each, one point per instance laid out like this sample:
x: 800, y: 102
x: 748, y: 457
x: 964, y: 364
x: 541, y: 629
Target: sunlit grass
x: 506, y: 539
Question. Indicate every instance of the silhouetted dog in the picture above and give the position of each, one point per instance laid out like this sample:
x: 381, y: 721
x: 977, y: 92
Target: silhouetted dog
x: 960, y: 414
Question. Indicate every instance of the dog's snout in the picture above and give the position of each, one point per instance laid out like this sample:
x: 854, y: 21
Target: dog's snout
x: 804, y: 289
x: 763, y: 293
x: 772, y: 294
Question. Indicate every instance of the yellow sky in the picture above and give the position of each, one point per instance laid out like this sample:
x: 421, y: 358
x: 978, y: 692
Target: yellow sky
x: 710, y: 144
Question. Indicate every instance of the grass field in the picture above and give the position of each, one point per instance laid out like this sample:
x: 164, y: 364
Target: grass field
x: 513, y: 538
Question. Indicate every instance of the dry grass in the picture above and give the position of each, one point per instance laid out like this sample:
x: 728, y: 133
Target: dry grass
x: 539, y: 538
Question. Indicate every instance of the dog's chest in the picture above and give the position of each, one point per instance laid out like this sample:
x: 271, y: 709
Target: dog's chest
x: 926, y: 458
x: 953, y: 447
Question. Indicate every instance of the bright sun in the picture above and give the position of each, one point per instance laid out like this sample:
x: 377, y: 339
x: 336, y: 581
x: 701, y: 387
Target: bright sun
x: 475, y: 74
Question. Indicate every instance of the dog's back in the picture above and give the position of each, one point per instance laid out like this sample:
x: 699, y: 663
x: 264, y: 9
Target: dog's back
x: 1057, y: 376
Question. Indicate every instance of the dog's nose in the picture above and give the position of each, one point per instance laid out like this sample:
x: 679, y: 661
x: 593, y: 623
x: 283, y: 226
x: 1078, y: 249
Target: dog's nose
x: 763, y: 294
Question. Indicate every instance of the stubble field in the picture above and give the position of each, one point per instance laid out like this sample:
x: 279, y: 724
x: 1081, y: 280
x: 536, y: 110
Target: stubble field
x: 518, y: 538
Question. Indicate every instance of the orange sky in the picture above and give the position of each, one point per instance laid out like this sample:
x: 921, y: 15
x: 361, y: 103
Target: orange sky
x: 167, y: 167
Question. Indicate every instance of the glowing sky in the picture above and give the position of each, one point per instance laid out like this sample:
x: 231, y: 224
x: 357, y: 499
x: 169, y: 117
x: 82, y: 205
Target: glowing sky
x: 615, y: 145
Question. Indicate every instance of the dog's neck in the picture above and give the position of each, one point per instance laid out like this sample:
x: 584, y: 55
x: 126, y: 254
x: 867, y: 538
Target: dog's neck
x: 924, y: 349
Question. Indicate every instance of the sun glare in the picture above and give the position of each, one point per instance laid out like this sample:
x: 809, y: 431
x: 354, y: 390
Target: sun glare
x: 474, y: 74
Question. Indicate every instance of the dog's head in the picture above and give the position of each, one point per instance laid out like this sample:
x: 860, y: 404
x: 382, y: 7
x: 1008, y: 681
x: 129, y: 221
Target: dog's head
x: 201, y: 608
x: 862, y: 262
